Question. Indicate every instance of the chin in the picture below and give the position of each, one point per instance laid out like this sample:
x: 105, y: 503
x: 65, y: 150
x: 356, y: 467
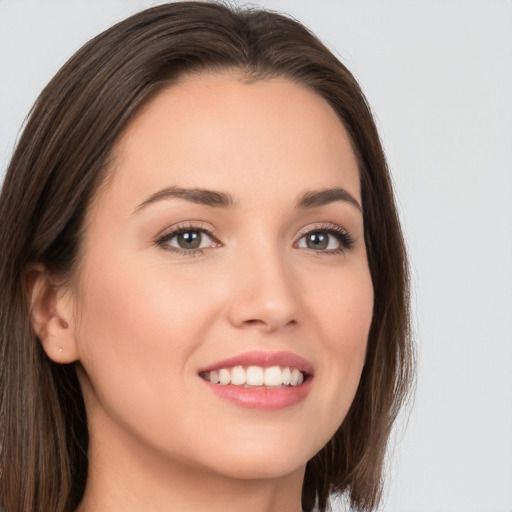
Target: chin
x: 263, y: 457
x: 268, y: 468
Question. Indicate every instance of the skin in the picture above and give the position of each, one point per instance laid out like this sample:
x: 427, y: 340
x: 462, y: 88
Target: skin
x: 150, y: 318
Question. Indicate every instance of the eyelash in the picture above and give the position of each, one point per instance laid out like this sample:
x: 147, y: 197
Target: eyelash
x: 345, y: 240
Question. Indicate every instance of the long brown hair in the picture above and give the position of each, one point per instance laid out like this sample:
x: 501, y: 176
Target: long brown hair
x: 61, y: 160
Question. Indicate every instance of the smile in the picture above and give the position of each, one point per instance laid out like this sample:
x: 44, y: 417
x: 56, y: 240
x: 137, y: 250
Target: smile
x: 255, y: 376
x: 260, y: 380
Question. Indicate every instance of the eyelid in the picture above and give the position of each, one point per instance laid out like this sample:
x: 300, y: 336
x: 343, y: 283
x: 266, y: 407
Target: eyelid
x: 319, y: 226
x: 191, y: 225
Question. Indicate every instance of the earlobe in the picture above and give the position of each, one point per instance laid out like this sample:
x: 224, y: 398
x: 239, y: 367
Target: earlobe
x: 51, y: 315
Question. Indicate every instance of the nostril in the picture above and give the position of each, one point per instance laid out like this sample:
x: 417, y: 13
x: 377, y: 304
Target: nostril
x: 254, y: 322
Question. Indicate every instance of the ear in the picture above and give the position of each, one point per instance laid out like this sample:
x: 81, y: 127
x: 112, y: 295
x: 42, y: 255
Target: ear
x: 51, y: 315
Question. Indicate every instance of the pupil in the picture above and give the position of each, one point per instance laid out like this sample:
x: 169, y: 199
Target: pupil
x: 189, y: 240
x: 318, y: 241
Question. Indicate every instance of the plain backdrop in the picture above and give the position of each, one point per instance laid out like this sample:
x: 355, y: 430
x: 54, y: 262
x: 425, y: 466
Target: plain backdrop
x: 438, y: 74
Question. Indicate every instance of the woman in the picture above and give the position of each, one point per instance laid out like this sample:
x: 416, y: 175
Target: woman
x: 204, y: 283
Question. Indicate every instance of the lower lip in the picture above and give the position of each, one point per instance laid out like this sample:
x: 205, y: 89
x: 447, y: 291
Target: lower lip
x: 268, y: 399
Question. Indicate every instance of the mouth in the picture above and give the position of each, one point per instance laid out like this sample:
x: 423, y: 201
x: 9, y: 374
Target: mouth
x: 260, y: 380
x: 256, y: 376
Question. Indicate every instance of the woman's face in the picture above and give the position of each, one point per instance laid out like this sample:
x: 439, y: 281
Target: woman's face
x: 227, y: 244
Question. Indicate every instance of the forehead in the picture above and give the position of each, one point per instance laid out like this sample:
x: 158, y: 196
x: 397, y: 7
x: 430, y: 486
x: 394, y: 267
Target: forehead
x: 222, y: 132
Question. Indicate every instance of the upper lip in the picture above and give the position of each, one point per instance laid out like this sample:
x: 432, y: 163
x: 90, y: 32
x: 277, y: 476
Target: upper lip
x: 263, y: 359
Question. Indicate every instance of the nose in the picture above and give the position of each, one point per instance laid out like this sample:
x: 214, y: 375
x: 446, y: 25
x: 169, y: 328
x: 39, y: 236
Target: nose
x: 264, y: 293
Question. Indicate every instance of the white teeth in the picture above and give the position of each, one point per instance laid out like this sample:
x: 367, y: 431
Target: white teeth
x: 255, y: 376
x: 273, y: 376
x: 224, y: 376
x: 238, y: 376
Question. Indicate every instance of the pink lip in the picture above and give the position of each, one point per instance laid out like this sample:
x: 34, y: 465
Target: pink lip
x: 262, y: 398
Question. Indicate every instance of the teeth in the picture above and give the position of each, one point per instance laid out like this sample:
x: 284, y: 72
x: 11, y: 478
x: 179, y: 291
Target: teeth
x: 224, y: 376
x: 274, y: 376
x: 238, y: 376
x: 255, y: 376
x: 294, y: 379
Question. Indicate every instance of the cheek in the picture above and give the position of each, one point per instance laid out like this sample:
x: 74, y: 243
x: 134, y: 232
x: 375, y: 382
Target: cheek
x: 139, y: 328
x: 343, y: 322
x: 351, y: 320
x: 344, y: 309
x: 135, y: 306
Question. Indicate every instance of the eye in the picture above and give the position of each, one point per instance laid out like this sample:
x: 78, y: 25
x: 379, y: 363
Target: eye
x: 332, y: 240
x: 319, y: 241
x: 187, y: 240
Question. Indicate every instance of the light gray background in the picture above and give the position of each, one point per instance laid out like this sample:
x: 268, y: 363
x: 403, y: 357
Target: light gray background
x: 439, y: 77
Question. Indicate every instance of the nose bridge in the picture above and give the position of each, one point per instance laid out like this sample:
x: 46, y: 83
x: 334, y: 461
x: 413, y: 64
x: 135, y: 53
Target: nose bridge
x: 264, y: 292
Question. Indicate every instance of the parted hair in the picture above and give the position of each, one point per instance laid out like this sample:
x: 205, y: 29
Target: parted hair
x: 62, y: 158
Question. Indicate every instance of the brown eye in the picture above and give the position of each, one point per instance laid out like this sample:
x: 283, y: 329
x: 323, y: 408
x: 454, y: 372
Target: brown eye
x: 318, y: 241
x: 189, y: 240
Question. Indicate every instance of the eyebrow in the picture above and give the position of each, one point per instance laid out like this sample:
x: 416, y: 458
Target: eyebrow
x: 317, y: 198
x: 194, y: 195
x: 312, y: 199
